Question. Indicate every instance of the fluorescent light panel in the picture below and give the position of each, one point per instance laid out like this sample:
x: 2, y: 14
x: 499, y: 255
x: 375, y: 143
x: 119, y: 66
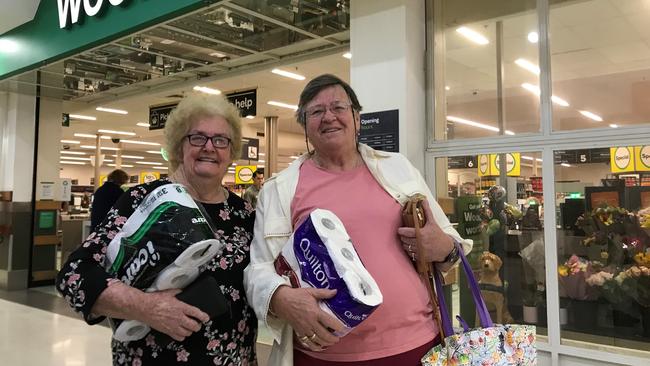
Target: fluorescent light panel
x: 161, y: 167
x: 117, y: 132
x: 148, y: 163
x: 288, y: 74
x: 535, y: 89
x: 565, y: 165
x: 90, y: 136
x: 70, y: 141
x: 73, y: 152
x: 473, y: 35
x: 72, y: 162
x: 250, y: 117
x: 122, y: 165
x: 476, y: 124
x: 591, y: 115
x: 142, y: 124
x: 111, y: 110
x: 283, y: 105
x: 206, y: 90
x: 75, y: 158
x: 81, y: 116
x: 613, y: 125
x: 140, y: 142
x: 527, y: 65
x: 154, y: 152
x: 347, y: 55
x: 130, y: 156
x: 101, y: 147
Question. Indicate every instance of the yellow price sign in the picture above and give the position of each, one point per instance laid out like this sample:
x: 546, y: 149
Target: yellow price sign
x: 642, y: 158
x: 244, y: 174
x: 488, y: 165
x: 146, y: 177
x: 621, y: 159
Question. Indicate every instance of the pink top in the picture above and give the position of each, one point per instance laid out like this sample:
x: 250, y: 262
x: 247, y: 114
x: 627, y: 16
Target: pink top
x: 371, y: 217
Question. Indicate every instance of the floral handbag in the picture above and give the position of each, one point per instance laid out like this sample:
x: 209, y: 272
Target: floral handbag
x: 489, y: 345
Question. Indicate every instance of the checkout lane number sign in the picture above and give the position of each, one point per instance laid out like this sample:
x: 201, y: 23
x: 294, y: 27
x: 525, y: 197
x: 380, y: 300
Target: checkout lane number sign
x: 244, y: 174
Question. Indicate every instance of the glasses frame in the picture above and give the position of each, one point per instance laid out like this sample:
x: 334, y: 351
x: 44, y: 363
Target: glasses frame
x: 310, y: 110
x: 209, y: 138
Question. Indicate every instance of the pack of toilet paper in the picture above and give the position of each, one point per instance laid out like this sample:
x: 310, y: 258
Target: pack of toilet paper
x: 320, y: 254
x: 161, y: 246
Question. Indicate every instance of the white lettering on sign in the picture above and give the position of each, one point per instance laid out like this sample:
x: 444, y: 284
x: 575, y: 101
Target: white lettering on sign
x: 244, y: 104
x: 370, y: 121
x: 70, y: 9
x: 622, y: 157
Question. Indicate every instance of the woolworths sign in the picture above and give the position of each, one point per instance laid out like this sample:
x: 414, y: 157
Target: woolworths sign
x: 70, y: 9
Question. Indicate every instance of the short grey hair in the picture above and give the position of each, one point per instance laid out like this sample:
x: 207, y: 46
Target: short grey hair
x: 190, y: 110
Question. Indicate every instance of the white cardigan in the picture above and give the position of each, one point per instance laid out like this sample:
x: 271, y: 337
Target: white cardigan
x: 273, y: 228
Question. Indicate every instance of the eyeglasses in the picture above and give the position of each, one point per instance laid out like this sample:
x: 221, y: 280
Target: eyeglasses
x: 199, y: 140
x: 316, y: 113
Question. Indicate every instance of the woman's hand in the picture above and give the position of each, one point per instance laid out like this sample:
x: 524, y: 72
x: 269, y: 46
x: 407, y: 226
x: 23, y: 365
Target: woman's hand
x: 162, y: 311
x: 299, y: 307
x: 436, y: 244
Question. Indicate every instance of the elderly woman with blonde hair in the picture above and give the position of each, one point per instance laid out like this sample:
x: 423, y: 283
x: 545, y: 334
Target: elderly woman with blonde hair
x: 202, y: 136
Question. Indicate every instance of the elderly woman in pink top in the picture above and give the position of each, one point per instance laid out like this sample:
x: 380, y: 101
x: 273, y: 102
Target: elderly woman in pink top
x: 366, y: 189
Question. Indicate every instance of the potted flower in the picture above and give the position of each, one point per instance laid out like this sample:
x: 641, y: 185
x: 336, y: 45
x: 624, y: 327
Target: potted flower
x: 573, y: 276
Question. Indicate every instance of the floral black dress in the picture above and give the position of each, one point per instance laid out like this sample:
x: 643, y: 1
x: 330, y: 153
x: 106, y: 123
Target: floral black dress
x: 227, y: 339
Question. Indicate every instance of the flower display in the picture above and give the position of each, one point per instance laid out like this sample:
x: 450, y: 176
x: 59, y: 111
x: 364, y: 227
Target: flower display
x: 635, y: 281
x: 573, y: 278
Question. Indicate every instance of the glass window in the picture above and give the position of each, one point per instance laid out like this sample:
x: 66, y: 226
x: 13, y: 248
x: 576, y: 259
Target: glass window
x: 600, y: 63
x: 486, y: 68
x: 503, y: 215
x: 603, y: 240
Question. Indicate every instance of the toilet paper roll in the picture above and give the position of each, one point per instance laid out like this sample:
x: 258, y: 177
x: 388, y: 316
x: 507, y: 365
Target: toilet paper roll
x: 199, y: 253
x: 320, y: 254
x: 174, y: 277
x: 129, y: 330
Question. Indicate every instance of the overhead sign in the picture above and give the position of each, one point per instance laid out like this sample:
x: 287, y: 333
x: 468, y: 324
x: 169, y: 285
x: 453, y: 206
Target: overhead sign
x: 642, y: 159
x: 158, y: 115
x: 245, y: 101
x: 244, y: 174
x: 622, y: 159
x: 69, y: 9
x: 380, y: 130
x: 250, y: 148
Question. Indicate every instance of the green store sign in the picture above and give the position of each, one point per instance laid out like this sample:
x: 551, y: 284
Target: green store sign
x: 63, y: 28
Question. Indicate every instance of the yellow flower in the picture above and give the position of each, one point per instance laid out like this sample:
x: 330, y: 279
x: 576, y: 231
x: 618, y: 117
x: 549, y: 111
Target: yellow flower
x: 563, y: 270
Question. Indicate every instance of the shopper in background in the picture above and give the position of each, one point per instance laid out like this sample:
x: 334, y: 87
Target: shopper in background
x: 251, y: 192
x: 202, y: 135
x: 366, y: 189
x: 106, y: 196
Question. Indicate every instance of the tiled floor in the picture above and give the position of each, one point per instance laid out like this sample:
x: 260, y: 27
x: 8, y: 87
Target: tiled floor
x: 38, y: 328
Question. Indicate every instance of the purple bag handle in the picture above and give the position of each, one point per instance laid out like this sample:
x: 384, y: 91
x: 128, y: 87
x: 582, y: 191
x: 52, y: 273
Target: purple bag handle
x: 481, y: 308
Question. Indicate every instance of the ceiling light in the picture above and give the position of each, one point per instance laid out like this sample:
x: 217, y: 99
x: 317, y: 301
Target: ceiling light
x: 508, y: 132
x: 261, y: 161
x: 613, y: 125
x: 104, y: 137
x: 111, y: 110
x: 72, y: 162
x: 161, y: 167
x: 294, y: 157
x: 447, y: 87
x: 218, y: 54
x: 566, y: 165
x: 81, y: 116
x: 535, y: 89
x: 527, y: 157
x: 117, y: 132
x: 167, y: 41
x: 347, y: 55
x: 527, y: 65
x: 473, y: 35
x: 593, y: 116
x: 260, y: 166
x: 108, y: 161
x: 261, y: 154
x: 130, y: 156
x: 154, y: 152
x: 71, y: 141
x: 472, y: 123
x: 101, y: 147
x: 533, y: 37
x: 288, y: 74
x: 283, y: 105
x: 250, y: 117
x: 73, y: 152
x: 142, y: 124
x: 148, y: 163
x: 122, y: 165
x: 205, y: 89
x: 75, y: 158
x: 140, y: 142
